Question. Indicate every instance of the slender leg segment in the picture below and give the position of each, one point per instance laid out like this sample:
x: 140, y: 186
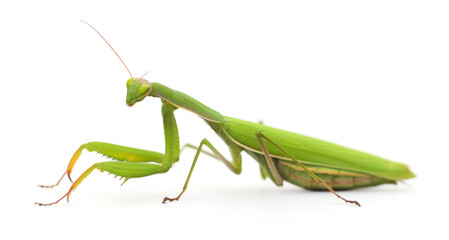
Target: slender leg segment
x: 188, y: 145
x: 271, y: 167
x: 235, y: 165
x: 262, y: 137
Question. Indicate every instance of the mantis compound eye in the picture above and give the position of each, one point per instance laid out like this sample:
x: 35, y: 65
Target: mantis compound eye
x: 143, y: 89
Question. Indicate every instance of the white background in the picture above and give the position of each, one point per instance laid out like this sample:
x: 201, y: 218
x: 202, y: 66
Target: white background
x: 368, y: 75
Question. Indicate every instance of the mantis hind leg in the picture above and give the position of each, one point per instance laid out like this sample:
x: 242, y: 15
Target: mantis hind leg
x: 125, y: 170
x: 261, y: 139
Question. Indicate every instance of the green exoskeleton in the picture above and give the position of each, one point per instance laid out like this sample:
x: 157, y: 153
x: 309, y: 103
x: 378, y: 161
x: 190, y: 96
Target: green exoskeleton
x: 304, y: 161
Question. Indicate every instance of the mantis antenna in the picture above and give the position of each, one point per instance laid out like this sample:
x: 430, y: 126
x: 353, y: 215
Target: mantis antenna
x: 143, y: 76
x: 111, y: 48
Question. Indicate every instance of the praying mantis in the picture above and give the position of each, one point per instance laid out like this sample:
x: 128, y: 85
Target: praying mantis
x: 304, y: 161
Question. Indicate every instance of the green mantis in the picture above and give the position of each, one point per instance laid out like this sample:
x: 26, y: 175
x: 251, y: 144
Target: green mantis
x: 304, y: 161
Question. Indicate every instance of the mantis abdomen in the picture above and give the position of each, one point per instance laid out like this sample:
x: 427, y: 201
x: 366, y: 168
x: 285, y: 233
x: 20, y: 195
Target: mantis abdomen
x: 335, y: 178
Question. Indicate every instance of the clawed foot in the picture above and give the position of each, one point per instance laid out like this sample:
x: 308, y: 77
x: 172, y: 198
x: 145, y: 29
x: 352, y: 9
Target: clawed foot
x: 54, y: 185
x: 354, y: 202
x: 174, y: 199
x: 170, y: 199
x: 53, y: 203
x: 45, y: 186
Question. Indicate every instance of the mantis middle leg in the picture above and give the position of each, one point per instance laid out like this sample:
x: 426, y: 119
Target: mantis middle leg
x: 235, y: 166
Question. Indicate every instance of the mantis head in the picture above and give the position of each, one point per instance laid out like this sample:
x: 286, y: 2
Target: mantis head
x: 137, y: 90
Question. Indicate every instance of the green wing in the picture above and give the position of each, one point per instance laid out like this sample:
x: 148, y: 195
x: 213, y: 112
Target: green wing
x: 314, y: 151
